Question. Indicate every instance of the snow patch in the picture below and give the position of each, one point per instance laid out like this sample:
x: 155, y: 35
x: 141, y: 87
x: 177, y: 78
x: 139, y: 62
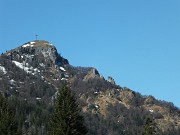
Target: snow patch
x: 64, y: 79
x: 36, y: 70
x: 3, y: 70
x: 27, y: 45
x: 18, y: 64
x: 29, y: 56
x: 62, y: 69
x: 32, y: 42
x: 42, y: 64
x: 38, y: 98
x: 55, y: 79
x: 26, y: 69
x: 12, y: 82
x: 66, y: 75
x: 96, y: 106
x: 42, y: 77
x: 151, y: 110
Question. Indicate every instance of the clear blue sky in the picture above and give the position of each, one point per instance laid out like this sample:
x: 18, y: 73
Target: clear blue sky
x: 137, y: 42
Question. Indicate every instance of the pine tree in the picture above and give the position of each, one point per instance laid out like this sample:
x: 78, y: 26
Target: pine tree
x: 8, y: 123
x: 66, y: 119
x: 149, y: 128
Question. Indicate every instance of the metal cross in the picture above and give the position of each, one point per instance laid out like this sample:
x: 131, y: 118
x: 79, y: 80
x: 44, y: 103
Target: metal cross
x: 36, y: 36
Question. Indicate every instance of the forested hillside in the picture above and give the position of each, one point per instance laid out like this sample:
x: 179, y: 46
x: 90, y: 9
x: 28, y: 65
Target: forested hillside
x: 32, y: 74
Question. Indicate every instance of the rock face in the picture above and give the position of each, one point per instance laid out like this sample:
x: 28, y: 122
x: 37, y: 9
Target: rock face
x: 37, y: 59
x: 92, y: 74
x: 31, y: 74
x: 111, y: 80
x: 35, y: 50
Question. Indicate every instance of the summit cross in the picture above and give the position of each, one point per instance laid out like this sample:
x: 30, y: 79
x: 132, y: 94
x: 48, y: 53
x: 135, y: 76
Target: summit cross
x: 36, y: 36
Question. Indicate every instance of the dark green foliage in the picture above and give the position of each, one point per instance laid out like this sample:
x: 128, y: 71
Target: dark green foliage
x: 66, y: 119
x: 8, y: 124
x: 31, y: 117
x: 149, y: 128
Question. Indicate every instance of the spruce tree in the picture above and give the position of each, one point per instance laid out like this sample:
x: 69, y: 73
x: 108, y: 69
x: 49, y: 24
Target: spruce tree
x: 8, y: 123
x: 66, y: 118
x: 149, y: 128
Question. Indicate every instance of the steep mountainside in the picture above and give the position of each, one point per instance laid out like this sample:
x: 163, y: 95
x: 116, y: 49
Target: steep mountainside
x: 31, y: 74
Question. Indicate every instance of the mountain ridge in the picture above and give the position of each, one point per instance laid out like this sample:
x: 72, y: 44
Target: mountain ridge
x: 103, y: 103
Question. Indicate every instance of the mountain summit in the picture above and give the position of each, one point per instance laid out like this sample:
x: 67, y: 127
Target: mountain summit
x: 39, y: 50
x: 31, y: 74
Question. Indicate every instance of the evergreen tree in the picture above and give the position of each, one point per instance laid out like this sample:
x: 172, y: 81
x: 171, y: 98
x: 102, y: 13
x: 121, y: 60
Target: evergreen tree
x: 149, y: 128
x: 66, y: 119
x: 8, y: 123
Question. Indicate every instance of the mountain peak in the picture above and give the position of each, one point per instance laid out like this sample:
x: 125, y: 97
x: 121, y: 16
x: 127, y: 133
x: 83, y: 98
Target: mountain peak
x: 37, y: 43
x: 39, y: 51
x: 34, y: 71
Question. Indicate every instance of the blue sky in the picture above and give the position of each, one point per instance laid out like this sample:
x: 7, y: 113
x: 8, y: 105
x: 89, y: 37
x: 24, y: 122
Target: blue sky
x: 137, y: 42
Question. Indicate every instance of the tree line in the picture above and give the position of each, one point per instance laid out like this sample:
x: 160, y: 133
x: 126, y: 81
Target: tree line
x: 65, y: 119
